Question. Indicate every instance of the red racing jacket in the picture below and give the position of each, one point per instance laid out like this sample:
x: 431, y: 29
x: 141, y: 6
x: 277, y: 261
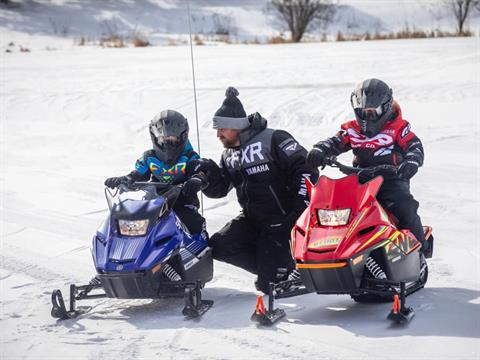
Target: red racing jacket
x: 394, y: 144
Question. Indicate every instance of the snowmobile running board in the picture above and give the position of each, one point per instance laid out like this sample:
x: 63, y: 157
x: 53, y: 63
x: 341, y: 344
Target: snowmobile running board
x: 194, y: 305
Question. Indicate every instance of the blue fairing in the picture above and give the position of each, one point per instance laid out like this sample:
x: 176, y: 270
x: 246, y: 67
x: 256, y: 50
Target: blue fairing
x: 165, y: 237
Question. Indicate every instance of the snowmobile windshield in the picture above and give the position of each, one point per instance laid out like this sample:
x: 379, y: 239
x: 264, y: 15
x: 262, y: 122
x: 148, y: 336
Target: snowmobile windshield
x: 123, y: 194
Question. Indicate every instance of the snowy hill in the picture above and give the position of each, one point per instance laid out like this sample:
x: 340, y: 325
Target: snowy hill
x: 166, y: 21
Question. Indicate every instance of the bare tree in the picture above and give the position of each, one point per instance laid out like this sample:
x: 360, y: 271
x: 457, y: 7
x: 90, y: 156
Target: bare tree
x: 223, y: 24
x: 300, y: 15
x: 462, y: 9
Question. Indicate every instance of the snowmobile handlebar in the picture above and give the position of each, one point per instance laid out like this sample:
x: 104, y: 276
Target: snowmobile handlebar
x: 346, y: 169
x: 168, y: 191
x: 387, y: 171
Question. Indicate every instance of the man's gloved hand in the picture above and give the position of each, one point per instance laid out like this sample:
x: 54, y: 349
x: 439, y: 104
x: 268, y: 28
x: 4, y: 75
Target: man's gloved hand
x: 114, y: 182
x: 407, y: 169
x: 204, y: 165
x: 193, y: 185
x: 315, y: 158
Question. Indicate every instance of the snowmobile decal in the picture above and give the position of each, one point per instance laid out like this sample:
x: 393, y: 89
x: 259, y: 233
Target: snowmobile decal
x: 355, y: 223
x: 403, y: 242
x: 125, y: 248
x: 327, y: 242
x: 379, y: 232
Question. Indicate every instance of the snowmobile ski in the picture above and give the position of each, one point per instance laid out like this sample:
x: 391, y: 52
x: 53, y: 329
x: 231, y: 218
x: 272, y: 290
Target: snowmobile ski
x: 400, y: 313
x: 194, y: 305
x: 267, y: 317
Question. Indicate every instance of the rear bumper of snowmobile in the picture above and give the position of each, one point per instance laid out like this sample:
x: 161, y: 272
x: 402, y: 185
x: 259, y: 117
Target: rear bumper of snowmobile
x: 147, y: 284
x: 331, y: 278
x: 140, y: 285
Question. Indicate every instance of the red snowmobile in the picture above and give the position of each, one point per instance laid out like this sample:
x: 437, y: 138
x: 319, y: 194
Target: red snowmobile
x: 345, y: 242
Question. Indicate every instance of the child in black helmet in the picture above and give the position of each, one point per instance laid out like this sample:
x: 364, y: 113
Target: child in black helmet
x: 171, y: 161
x: 379, y: 135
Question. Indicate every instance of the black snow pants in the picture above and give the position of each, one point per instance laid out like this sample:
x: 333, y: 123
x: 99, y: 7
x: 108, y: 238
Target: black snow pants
x: 395, y: 196
x: 190, y: 217
x: 260, y: 248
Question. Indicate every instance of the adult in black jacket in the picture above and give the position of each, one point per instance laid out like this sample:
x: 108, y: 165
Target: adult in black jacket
x: 268, y: 171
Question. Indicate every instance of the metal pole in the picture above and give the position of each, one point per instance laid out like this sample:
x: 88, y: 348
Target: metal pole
x: 194, y: 91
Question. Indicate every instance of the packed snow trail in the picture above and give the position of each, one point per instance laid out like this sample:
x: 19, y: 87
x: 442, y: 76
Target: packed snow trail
x: 73, y: 118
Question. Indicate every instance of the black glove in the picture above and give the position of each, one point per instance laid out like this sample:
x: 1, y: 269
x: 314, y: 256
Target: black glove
x: 114, y: 182
x: 366, y: 175
x: 407, y: 169
x: 315, y: 158
x: 204, y: 165
x: 193, y: 185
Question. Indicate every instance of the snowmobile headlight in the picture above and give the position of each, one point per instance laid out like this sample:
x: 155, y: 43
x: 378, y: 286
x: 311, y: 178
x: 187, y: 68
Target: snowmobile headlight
x: 333, y: 217
x: 133, y: 227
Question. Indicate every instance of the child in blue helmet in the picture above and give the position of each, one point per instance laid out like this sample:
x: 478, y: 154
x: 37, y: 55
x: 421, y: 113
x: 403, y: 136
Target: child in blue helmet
x: 172, y: 161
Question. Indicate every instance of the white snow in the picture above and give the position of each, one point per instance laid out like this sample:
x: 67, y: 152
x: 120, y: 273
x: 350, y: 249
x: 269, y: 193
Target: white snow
x: 70, y: 118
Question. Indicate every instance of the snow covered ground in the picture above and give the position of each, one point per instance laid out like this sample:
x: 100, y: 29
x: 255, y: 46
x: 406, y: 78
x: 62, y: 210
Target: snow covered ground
x: 71, y: 118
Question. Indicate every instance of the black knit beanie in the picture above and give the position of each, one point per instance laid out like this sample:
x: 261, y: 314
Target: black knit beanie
x: 231, y: 114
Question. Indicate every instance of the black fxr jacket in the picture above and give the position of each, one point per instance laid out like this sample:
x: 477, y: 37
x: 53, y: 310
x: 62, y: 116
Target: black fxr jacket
x: 267, y: 170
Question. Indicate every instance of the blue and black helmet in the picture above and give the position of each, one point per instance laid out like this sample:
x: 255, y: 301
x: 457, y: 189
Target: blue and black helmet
x: 169, y: 133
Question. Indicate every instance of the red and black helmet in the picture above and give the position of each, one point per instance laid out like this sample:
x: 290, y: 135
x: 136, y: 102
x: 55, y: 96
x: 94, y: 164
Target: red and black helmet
x: 372, y: 103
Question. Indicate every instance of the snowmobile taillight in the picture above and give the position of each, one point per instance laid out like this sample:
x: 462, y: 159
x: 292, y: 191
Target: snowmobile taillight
x: 337, y: 217
x: 133, y: 227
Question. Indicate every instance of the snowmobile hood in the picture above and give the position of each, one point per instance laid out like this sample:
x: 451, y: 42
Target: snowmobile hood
x: 344, y: 193
x: 257, y: 124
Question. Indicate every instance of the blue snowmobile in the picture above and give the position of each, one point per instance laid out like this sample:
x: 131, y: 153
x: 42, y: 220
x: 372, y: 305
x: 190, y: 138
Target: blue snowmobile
x: 143, y: 251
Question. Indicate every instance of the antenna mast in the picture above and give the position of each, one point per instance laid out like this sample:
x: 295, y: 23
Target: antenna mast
x: 194, y: 91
